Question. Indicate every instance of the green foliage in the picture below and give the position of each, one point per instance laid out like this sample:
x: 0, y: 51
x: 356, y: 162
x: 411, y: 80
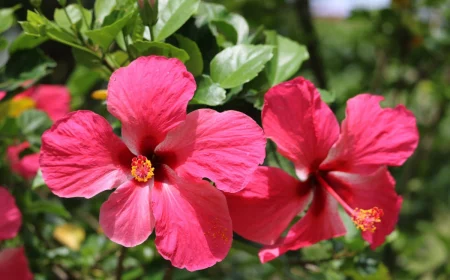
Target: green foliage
x: 237, y: 50
x: 239, y: 64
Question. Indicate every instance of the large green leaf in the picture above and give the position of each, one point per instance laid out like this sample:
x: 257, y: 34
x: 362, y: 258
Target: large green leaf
x: 239, y: 64
x: 48, y: 207
x: 25, y: 66
x: 75, y: 17
x: 103, y: 8
x: 195, y: 62
x: 33, y: 122
x: 208, y: 93
x: 7, y: 17
x: 287, y: 59
x: 208, y: 12
x: 25, y: 42
x: 172, y: 14
x: 105, y: 35
x: 143, y: 48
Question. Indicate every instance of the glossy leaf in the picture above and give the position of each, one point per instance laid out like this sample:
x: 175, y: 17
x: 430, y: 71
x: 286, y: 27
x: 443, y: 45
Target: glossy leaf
x: 195, y: 62
x: 7, y: 17
x: 172, y: 14
x: 208, y: 93
x: 144, y: 48
x: 105, y: 35
x: 25, y: 66
x: 103, y: 8
x: 74, y: 16
x: 239, y: 64
x: 288, y: 56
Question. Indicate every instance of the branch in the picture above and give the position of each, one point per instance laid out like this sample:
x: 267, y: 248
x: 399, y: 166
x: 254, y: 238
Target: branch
x: 317, y: 66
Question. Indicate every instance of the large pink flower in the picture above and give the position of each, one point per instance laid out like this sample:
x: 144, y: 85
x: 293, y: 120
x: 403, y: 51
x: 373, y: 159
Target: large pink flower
x: 52, y: 99
x: 10, y: 217
x: 334, y: 166
x: 157, y: 170
x: 14, y: 265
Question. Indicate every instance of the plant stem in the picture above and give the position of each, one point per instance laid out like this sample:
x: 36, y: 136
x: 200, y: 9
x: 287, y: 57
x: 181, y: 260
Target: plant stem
x: 152, y: 34
x: 119, y: 269
x: 168, y: 273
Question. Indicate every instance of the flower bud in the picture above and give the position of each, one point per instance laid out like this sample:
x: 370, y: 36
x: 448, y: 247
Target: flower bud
x: 148, y: 10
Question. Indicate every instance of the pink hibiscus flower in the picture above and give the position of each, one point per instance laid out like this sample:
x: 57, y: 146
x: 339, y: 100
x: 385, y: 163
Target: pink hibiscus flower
x: 158, y: 168
x: 13, y: 262
x: 14, y: 265
x: 346, y: 166
x: 26, y: 166
x: 10, y: 217
x: 53, y: 100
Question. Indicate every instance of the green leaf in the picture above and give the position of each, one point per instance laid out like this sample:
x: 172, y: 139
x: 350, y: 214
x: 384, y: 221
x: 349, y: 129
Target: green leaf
x: 327, y: 96
x: 35, y: 24
x: 24, y: 66
x: 92, y: 62
x: 239, y: 64
x: 195, y: 62
x: 38, y: 181
x: 25, y: 42
x: 240, y: 25
x: 172, y: 15
x: 208, y: 12
x: 75, y: 16
x: 33, y: 122
x: 226, y: 35
x: 80, y: 83
x: 103, y: 8
x: 48, y: 207
x: 7, y: 17
x: 287, y: 59
x: 381, y: 273
x: 275, y: 159
x: 105, y: 35
x: 3, y: 43
x: 144, y: 48
x: 208, y: 93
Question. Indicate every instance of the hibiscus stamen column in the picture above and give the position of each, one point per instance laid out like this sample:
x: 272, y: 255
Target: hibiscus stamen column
x: 364, y: 219
x: 141, y: 168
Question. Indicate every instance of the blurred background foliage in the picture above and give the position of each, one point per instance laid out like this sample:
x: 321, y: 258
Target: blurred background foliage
x: 400, y: 51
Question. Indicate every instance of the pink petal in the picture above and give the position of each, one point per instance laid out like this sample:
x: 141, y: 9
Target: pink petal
x: 373, y: 136
x: 193, y: 225
x: 14, y: 265
x: 149, y: 97
x: 223, y: 147
x: 26, y: 166
x: 266, y: 206
x: 321, y: 222
x: 10, y: 217
x: 52, y: 99
x: 126, y: 217
x: 300, y: 123
x: 2, y: 94
x: 366, y: 192
x: 81, y: 156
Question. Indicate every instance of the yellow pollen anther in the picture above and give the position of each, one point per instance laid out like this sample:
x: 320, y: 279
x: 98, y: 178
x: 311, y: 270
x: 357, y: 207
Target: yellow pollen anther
x: 141, y: 169
x: 100, y: 94
x: 365, y: 219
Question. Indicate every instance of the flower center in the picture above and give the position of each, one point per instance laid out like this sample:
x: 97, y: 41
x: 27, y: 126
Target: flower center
x: 365, y: 219
x: 141, y: 169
